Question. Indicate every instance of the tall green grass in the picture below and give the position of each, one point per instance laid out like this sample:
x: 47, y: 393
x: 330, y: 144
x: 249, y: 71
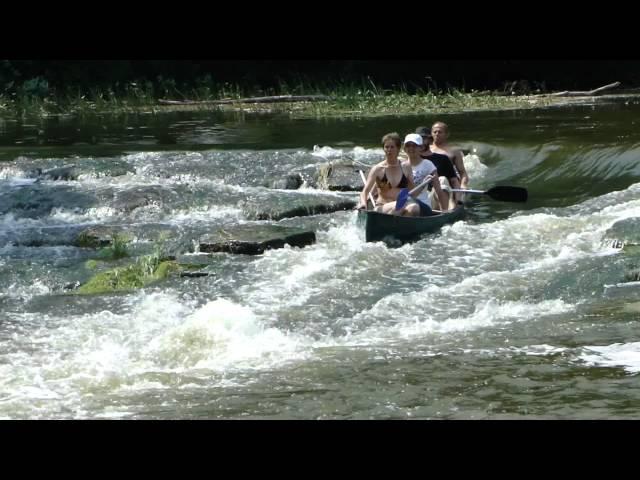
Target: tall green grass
x: 348, y: 98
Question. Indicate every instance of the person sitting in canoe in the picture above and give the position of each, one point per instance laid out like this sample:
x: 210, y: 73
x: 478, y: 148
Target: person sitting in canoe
x: 389, y: 176
x: 422, y: 168
x: 446, y: 173
x: 449, y: 160
x: 425, y: 133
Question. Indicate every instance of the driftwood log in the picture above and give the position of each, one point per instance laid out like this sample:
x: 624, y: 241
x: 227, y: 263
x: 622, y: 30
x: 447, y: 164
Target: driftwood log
x: 588, y: 93
x: 274, y: 99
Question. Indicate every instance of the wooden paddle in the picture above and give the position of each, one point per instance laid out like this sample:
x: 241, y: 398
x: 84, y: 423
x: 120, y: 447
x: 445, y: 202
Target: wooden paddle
x: 364, y: 181
x: 501, y: 193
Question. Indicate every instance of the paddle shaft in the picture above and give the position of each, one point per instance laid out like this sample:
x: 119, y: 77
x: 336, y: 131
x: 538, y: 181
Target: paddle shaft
x: 467, y: 191
x: 428, y: 178
x: 501, y: 193
x: 364, y: 181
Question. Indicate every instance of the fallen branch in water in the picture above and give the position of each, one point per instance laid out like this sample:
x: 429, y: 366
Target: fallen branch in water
x: 568, y: 93
x: 274, y: 99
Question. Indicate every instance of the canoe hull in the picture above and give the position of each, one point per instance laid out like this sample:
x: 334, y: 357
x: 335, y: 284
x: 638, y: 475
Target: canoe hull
x: 383, y: 227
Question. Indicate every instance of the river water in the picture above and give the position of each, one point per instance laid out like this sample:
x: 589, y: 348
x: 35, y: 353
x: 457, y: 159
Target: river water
x: 518, y: 311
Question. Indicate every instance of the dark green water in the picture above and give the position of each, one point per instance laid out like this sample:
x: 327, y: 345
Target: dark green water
x: 519, y: 311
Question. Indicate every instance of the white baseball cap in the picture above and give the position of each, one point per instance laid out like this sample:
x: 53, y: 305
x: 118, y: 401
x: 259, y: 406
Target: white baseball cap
x: 413, y: 138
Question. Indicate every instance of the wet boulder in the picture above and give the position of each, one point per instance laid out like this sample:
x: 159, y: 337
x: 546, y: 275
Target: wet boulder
x: 342, y: 177
x: 305, y: 210
x: 98, y: 236
x: 624, y: 234
x: 188, y: 274
x: 114, y: 169
x: 255, y: 239
x: 290, y: 182
x: 141, y: 273
x: 129, y: 200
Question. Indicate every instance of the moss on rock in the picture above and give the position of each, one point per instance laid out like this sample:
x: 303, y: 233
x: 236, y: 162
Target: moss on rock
x: 145, y: 271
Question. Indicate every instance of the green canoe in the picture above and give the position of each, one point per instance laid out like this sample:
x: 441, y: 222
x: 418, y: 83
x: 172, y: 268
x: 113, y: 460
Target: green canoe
x: 383, y: 227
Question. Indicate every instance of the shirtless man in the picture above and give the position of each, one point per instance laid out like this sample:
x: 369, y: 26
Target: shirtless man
x: 447, y: 159
x: 440, y: 133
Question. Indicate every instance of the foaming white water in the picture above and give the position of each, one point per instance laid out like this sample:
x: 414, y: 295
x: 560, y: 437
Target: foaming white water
x: 327, y: 152
x: 296, y: 274
x: 58, y: 216
x: 9, y: 222
x: 207, y: 212
x: 617, y: 211
x: 345, y: 237
x: 220, y: 335
x: 419, y: 319
x: 143, y: 157
x: 541, y: 239
x: 65, y: 362
x: 34, y: 288
x: 535, y: 350
x: 293, y: 273
x: 368, y: 156
x: 501, y: 260
x: 79, y: 215
x: 11, y: 172
x: 625, y: 355
x: 475, y: 168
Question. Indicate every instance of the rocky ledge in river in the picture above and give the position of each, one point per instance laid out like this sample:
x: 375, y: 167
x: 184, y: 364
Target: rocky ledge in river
x: 334, y: 176
x: 255, y: 239
x: 329, y: 206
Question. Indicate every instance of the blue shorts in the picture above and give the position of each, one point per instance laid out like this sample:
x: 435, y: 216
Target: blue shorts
x: 425, y: 210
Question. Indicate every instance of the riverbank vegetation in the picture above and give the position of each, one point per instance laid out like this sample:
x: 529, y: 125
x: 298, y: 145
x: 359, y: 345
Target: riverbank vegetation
x: 31, y: 88
x: 365, y: 98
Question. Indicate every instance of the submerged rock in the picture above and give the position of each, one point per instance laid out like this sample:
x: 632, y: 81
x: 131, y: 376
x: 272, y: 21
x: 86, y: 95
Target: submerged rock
x: 115, y: 169
x: 129, y: 200
x: 98, y: 236
x: 255, y: 239
x: 290, y: 182
x: 68, y: 172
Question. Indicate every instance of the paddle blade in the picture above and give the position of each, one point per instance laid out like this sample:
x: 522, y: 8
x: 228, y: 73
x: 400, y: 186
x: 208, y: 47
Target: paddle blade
x: 403, y: 196
x: 508, y: 194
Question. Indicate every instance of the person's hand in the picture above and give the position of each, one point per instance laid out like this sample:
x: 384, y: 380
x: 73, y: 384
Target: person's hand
x: 360, y: 206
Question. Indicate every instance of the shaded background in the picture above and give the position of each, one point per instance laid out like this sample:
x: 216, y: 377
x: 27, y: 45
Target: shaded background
x: 271, y: 74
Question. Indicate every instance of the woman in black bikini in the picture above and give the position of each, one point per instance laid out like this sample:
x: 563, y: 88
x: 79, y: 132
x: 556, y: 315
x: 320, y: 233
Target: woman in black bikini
x: 389, y: 176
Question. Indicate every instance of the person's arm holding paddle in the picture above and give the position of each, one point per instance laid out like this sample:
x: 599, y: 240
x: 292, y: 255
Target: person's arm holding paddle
x: 408, y: 172
x: 368, y: 186
x: 458, y: 162
x: 437, y: 188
